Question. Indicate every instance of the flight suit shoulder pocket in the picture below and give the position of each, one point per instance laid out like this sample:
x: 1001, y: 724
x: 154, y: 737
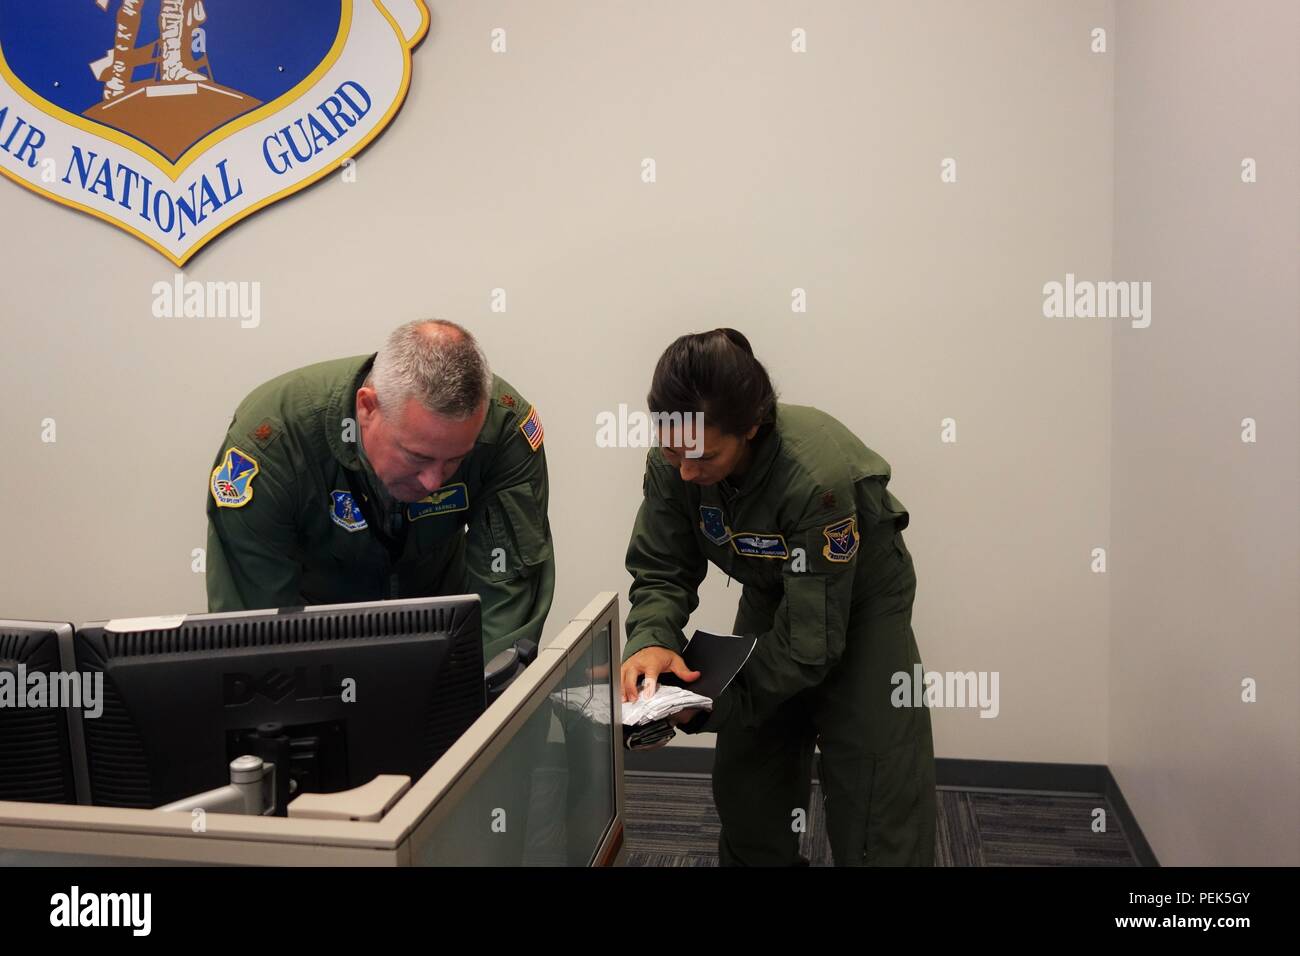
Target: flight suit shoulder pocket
x: 523, y: 531
x: 806, y: 607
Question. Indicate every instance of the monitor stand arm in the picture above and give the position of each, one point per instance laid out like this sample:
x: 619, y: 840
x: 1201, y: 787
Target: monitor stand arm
x: 251, y: 791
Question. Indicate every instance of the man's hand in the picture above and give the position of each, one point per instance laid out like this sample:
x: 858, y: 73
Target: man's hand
x: 651, y: 662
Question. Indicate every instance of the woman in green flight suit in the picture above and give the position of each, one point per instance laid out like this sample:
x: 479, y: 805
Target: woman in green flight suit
x: 790, y: 503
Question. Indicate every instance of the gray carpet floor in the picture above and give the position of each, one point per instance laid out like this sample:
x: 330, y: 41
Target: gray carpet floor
x: 671, y: 822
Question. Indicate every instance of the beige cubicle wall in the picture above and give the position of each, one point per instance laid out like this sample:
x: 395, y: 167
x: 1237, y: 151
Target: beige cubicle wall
x: 536, y: 780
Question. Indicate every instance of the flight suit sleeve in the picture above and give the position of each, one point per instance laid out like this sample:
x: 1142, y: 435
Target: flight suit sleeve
x: 666, y: 564
x: 251, y: 558
x: 808, y: 631
x: 509, y: 556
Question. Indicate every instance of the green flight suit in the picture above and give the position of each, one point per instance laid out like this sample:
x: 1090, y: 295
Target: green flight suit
x: 296, y: 514
x: 815, y: 537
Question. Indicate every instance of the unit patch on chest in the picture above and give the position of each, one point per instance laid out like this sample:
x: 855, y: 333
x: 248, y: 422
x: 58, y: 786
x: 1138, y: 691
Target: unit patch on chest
x: 345, y: 512
x: 714, y: 525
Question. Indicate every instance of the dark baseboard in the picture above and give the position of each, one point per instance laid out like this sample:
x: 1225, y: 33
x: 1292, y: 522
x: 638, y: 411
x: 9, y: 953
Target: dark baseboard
x: 1136, y: 838
x: 967, y: 774
x: 670, y: 760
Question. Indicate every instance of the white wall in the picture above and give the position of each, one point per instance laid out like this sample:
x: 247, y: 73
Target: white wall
x: 775, y: 170
x: 1205, y: 563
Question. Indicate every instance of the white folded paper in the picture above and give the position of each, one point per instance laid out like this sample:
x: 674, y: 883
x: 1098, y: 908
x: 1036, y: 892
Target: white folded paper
x: 663, y: 702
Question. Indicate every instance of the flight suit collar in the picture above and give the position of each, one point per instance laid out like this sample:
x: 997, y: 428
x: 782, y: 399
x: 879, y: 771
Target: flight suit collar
x: 341, y: 405
x: 768, y: 444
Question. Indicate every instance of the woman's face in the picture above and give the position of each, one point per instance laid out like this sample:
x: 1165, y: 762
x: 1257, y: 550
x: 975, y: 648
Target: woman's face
x: 708, y: 461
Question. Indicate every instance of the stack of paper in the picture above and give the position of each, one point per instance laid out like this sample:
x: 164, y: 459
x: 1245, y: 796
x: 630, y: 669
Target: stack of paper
x: 663, y: 702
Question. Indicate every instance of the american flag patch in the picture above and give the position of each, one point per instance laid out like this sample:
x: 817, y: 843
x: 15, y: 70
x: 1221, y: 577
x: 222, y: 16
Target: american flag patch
x: 532, y: 428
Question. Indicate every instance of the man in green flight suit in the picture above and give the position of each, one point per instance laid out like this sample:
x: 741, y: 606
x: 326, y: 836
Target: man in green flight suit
x: 409, y: 472
x: 787, y: 501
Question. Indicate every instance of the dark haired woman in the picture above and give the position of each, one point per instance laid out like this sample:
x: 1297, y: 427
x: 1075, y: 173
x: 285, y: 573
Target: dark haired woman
x: 790, y: 503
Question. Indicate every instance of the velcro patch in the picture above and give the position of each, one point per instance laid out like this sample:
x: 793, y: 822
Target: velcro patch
x: 232, y: 480
x: 345, y: 512
x: 754, y: 545
x: 841, y: 540
x: 531, y: 426
x: 714, y: 524
x: 444, y: 500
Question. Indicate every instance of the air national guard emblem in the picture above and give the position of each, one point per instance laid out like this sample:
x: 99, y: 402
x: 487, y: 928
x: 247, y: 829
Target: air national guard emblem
x: 346, y: 512
x: 175, y: 119
x: 841, y: 540
x: 452, y: 498
x: 714, y: 525
x: 759, y: 545
x: 232, y: 480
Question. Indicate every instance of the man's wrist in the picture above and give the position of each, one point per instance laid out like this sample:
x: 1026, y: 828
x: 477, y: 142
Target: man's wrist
x: 651, y: 639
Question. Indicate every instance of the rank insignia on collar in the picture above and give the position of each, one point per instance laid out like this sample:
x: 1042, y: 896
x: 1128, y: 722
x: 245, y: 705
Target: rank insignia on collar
x: 841, y: 540
x: 232, y: 480
x: 443, y: 501
x: 754, y: 545
x: 345, y: 512
x: 532, y: 428
x: 714, y: 525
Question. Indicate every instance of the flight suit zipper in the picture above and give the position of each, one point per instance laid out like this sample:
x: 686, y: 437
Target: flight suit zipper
x: 389, y: 529
x: 728, y: 495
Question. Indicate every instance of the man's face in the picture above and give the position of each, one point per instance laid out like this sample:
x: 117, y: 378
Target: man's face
x: 718, y: 453
x: 417, y: 452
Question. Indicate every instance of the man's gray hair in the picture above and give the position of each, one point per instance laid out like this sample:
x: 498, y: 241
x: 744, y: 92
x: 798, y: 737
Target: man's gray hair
x: 438, y: 363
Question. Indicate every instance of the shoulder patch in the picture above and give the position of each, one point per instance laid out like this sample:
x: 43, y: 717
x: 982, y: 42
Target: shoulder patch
x: 841, y: 540
x: 232, y: 480
x: 531, y: 426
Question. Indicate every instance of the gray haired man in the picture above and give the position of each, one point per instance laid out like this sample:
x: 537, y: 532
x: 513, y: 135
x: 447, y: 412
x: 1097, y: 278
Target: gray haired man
x: 409, y: 472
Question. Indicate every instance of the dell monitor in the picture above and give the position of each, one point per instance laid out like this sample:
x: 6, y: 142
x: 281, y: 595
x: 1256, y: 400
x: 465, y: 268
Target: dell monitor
x: 358, y: 690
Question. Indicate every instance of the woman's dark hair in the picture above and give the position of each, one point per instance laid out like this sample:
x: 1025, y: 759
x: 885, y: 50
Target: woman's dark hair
x: 714, y: 373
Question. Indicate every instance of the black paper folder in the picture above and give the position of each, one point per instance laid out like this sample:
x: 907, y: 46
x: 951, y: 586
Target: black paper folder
x: 718, y: 658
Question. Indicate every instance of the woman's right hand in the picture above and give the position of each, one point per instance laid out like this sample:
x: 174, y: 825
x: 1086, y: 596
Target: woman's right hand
x: 651, y: 662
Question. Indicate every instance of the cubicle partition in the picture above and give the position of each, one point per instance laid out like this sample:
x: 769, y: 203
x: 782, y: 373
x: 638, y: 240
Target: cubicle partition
x: 536, y: 780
